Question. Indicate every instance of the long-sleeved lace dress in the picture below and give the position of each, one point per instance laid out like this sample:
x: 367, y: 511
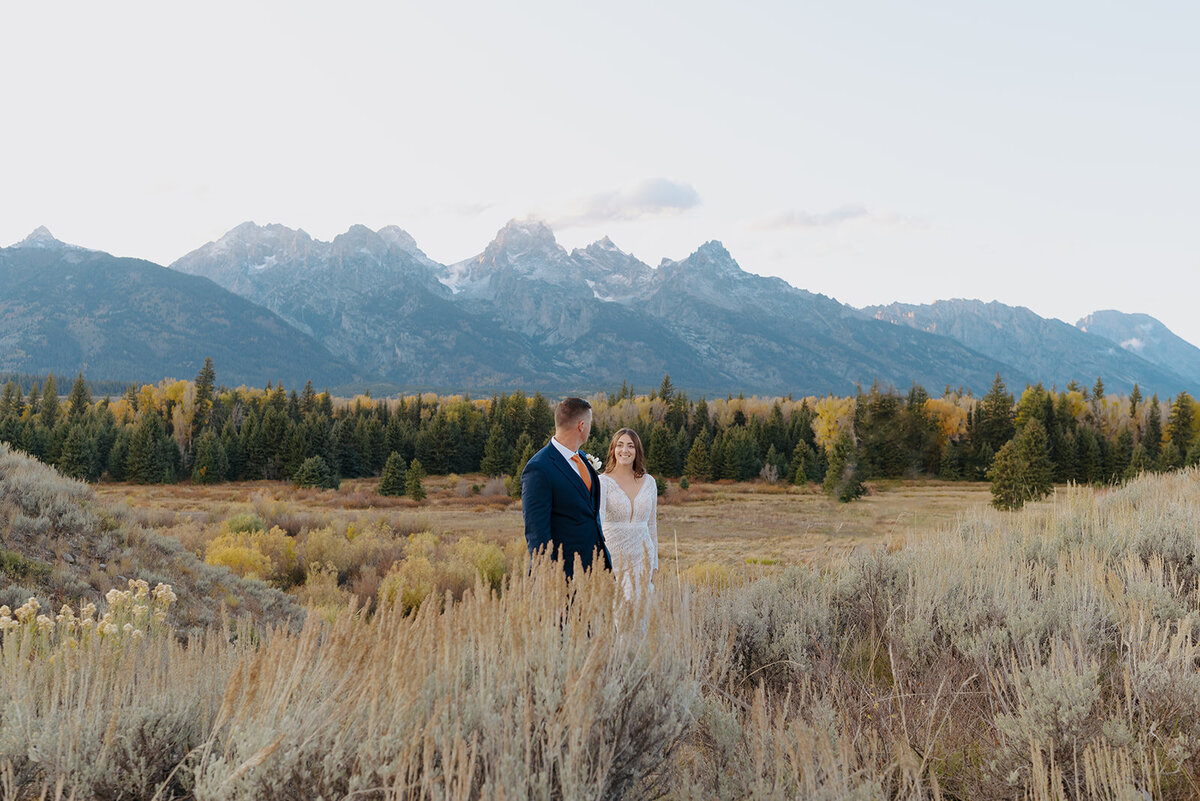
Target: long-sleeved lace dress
x: 631, y: 533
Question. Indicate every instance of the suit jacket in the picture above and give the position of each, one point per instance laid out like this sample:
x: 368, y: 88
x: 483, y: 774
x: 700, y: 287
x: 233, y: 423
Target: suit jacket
x: 560, y: 513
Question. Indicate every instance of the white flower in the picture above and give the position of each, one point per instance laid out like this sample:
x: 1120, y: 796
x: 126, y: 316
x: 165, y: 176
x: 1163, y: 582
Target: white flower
x: 596, y: 463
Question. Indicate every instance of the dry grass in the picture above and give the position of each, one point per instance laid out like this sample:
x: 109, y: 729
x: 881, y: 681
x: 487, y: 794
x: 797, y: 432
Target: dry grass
x: 1047, y: 654
x: 722, y: 523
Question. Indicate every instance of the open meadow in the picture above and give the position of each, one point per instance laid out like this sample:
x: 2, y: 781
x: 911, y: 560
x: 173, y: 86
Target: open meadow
x: 726, y: 523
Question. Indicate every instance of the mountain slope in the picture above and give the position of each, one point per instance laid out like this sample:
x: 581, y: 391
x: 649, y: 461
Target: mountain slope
x: 1050, y: 350
x: 370, y: 297
x: 1145, y: 336
x: 525, y: 312
x: 66, y: 309
x: 769, y: 334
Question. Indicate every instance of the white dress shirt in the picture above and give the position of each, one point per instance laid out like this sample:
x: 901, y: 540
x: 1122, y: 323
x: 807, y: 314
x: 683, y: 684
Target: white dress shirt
x: 569, y: 455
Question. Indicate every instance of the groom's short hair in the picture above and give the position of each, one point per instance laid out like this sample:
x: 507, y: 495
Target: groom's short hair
x: 569, y: 410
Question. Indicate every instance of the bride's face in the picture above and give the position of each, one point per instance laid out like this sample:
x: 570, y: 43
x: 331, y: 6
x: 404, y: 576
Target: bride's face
x: 625, y: 450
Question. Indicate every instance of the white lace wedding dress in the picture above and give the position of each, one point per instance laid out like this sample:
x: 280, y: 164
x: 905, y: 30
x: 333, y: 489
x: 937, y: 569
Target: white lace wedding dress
x: 631, y: 533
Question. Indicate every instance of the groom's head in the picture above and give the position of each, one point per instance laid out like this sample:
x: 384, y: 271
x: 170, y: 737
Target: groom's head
x: 573, y: 422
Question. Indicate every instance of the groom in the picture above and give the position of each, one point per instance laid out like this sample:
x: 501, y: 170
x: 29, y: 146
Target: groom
x: 560, y: 493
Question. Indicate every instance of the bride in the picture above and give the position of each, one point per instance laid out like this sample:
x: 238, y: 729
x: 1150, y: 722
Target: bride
x: 628, y: 512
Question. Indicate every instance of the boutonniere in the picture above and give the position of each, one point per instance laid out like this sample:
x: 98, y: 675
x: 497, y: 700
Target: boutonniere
x: 595, y: 463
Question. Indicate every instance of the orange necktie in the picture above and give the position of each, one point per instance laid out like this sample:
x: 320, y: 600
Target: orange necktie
x: 583, y: 473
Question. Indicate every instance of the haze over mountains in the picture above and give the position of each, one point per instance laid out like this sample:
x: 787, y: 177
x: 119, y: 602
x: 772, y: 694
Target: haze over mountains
x: 271, y: 303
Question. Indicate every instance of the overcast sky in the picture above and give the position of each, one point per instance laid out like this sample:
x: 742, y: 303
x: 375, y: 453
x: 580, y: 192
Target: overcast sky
x: 1040, y: 154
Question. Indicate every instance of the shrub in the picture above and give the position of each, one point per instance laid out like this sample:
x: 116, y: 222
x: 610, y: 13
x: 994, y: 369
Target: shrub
x: 407, y: 584
x: 254, y: 553
x: 709, y: 574
x: 486, y: 558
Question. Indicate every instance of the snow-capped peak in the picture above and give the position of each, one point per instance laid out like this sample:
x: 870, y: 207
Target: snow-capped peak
x: 42, y: 238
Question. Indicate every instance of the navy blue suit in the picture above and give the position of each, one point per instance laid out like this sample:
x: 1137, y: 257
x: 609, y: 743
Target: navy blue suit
x: 560, y: 513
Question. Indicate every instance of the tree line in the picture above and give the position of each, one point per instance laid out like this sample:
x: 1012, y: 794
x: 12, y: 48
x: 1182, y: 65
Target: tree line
x: 199, y: 431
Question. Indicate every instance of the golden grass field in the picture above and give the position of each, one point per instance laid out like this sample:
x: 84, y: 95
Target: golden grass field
x: 1050, y: 653
x: 733, y: 524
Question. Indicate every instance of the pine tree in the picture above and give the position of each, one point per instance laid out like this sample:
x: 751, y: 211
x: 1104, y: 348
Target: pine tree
x: 1033, y: 457
x: 1139, y: 462
x: 514, y: 416
x: 541, y: 419
x: 1005, y: 475
x: 308, y: 399
x: 524, y: 449
x: 10, y: 404
x: 1192, y: 457
x: 145, y: 463
x: 994, y: 417
x: 716, y: 455
x: 80, y: 400
x: 666, y: 391
x: 774, y: 466
x: 413, y: 481
x: 514, y: 481
x: 1091, y: 466
x: 118, y: 457
x: 394, y: 479
x: 497, y: 456
x: 346, y: 459
x: 211, y: 464
x: 1135, y: 398
x: 1179, y: 426
x: 78, y: 458
x: 1153, y: 436
x: 801, y: 455
x: 1169, y: 457
x: 205, y: 384
x: 1120, y: 456
x: 315, y: 472
x: 698, y: 466
x: 48, y: 414
x: 700, y: 419
x: 843, y: 479
x: 741, y: 455
x: 660, y: 456
x: 34, y: 403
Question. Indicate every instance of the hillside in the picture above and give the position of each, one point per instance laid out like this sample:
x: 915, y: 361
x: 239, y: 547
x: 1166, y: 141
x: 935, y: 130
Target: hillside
x: 64, y: 309
x: 60, y: 544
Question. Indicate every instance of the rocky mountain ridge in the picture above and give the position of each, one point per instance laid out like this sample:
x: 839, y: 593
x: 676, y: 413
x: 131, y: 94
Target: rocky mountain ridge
x: 1050, y: 349
x: 525, y: 312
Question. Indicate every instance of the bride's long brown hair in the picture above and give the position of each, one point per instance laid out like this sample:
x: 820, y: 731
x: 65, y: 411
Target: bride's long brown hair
x: 639, y: 454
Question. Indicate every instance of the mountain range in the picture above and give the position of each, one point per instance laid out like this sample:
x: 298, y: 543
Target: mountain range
x: 370, y: 309
x: 65, y: 309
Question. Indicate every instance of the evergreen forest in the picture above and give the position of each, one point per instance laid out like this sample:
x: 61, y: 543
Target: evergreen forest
x: 205, y: 433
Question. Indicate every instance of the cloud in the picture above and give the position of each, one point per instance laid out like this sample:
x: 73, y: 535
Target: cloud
x: 807, y: 219
x: 649, y: 198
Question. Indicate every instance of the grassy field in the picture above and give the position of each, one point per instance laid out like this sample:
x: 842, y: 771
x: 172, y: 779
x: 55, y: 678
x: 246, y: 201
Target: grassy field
x: 725, y: 523
x: 1050, y: 653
